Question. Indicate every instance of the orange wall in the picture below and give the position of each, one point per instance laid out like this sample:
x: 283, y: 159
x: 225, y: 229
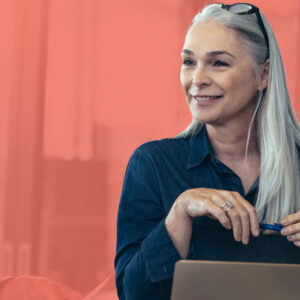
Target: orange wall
x: 83, y: 83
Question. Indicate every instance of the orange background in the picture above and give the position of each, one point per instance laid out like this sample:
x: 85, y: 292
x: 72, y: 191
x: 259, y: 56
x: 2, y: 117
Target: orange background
x: 82, y: 84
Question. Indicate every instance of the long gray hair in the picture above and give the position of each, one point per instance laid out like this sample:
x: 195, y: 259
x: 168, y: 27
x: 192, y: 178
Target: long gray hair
x: 278, y: 132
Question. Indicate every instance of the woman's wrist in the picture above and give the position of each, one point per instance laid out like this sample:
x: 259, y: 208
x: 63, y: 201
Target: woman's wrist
x: 179, y: 226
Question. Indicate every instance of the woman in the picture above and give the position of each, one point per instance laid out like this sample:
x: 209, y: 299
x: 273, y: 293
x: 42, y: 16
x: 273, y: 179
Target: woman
x: 202, y: 194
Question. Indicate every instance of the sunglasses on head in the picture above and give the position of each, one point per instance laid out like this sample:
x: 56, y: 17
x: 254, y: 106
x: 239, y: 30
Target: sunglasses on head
x: 247, y: 9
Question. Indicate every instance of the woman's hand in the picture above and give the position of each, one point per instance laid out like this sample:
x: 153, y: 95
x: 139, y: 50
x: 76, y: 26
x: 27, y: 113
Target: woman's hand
x: 291, y: 228
x: 206, y: 202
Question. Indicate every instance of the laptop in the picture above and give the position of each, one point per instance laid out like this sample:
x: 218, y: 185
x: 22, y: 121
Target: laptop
x: 212, y: 280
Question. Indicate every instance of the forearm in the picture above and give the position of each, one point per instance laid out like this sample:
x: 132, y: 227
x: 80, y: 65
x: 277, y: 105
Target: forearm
x: 149, y: 267
x: 137, y: 285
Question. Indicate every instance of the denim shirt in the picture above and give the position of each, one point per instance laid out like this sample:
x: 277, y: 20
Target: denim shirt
x: 157, y: 173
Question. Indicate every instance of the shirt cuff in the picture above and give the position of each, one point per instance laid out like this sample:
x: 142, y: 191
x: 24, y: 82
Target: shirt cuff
x: 160, y: 253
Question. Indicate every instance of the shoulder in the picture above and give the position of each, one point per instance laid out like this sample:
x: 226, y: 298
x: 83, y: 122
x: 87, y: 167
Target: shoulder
x: 167, y: 148
x: 166, y: 144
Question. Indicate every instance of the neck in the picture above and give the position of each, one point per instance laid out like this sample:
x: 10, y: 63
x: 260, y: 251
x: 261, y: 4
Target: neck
x: 229, y: 142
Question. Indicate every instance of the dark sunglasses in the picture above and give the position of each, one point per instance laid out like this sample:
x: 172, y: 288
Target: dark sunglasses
x: 247, y: 9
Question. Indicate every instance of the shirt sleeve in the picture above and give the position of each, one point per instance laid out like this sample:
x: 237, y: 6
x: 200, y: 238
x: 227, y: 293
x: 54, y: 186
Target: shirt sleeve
x: 145, y: 256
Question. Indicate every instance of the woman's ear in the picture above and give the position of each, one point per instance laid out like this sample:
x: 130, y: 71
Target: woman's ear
x: 264, y: 75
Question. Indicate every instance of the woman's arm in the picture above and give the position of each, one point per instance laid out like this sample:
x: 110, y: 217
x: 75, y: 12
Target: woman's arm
x: 145, y: 253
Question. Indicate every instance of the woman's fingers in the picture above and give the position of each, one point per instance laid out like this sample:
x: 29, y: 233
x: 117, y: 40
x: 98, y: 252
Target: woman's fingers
x: 254, y: 225
x: 236, y: 224
x: 233, y: 214
x: 219, y: 214
x: 290, y: 219
x: 291, y: 229
x: 240, y: 216
x: 295, y: 238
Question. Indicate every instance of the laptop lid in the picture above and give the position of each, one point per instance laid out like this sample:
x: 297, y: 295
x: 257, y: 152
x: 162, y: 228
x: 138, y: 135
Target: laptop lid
x: 212, y: 280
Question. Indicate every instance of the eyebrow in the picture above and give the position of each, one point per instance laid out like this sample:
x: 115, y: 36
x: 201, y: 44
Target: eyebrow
x: 208, y: 54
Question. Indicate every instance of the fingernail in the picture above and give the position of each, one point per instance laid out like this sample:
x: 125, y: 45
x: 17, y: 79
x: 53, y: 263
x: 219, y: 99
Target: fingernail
x: 256, y: 232
x: 284, y: 222
x: 284, y: 231
x: 289, y: 237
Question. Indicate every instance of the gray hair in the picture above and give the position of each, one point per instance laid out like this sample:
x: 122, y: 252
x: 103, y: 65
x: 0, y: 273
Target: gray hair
x: 278, y: 131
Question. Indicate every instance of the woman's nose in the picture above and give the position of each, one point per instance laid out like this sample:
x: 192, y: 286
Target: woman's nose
x: 200, y: 77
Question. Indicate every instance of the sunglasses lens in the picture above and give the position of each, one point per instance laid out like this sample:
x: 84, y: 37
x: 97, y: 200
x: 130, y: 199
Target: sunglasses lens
x: 240, y: 8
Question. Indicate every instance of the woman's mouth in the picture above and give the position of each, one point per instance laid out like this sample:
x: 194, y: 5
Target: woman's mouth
x: 205, y: 100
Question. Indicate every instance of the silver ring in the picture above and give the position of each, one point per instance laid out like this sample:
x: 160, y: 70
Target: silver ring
x: 227, y: 206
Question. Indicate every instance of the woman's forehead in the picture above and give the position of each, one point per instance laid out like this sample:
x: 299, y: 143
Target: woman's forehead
x: 210, y: 35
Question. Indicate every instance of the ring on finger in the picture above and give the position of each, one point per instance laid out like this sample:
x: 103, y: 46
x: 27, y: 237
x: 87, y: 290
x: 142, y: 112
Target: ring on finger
x: 227, y: 206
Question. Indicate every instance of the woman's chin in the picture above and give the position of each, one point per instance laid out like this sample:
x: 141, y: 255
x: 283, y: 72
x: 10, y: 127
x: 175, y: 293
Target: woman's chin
x: 204, y: 116
x: 203, y: 119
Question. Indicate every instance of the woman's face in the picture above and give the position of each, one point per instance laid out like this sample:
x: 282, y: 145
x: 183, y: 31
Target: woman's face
x: 218, y: 69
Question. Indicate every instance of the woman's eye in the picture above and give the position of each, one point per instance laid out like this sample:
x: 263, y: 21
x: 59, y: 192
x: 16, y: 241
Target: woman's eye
x: 220, y: 63
x: 187, y: 62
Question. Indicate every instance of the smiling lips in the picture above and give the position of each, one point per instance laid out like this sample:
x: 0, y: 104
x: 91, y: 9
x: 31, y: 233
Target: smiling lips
x: 205, y: 100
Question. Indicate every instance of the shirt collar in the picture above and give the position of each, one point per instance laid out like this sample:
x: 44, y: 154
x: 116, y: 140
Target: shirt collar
x: 200, y: 148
